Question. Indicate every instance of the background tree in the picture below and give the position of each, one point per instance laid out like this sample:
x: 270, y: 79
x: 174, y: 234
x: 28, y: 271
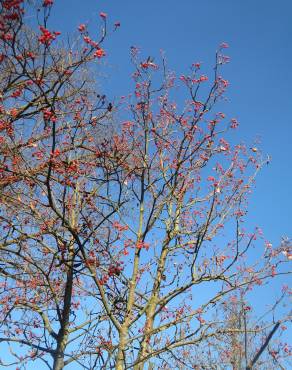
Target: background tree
x: 245, y: 343
x: 113, y: 251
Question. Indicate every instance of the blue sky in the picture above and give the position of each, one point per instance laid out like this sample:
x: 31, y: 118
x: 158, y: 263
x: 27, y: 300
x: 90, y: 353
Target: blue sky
x: 260, y: 73
x: 259, y: 33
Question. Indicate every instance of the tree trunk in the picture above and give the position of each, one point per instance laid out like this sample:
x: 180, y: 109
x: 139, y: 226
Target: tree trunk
x: 60, y: 351
x: 120, y: 356
x: 63, y: 332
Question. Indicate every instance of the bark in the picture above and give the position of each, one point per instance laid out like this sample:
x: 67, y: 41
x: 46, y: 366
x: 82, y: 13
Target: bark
x: 120, y: 356
x: 63, y: 332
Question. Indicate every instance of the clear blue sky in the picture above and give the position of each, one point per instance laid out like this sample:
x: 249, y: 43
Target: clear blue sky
x: 259, y: 33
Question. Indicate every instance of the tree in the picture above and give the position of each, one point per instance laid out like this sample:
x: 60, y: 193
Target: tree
x: 109, y: 241
x: 244, y: 343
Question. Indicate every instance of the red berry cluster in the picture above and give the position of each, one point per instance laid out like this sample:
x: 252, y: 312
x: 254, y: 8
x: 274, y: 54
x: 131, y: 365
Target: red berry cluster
x: 47, y: 36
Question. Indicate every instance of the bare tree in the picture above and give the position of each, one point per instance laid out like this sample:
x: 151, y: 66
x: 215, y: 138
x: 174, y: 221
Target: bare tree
x: 112, y: 249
